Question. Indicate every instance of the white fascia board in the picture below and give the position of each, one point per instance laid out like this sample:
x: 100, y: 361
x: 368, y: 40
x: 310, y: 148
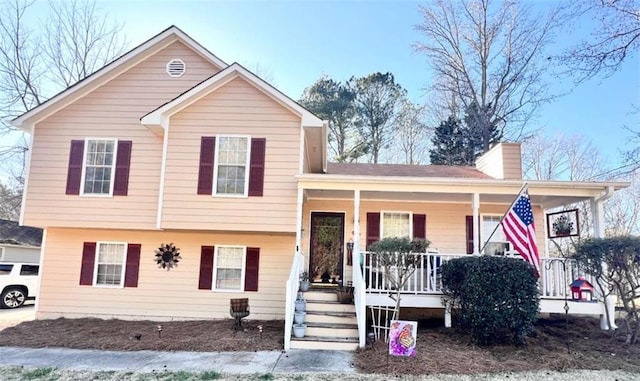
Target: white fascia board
x: 110, y: 70
x: 357, y: 181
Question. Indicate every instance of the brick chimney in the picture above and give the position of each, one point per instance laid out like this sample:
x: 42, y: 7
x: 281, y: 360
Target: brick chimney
x: 503, y: 161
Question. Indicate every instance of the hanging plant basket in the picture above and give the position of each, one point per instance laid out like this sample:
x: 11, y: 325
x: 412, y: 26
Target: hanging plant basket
x: 167, y: 256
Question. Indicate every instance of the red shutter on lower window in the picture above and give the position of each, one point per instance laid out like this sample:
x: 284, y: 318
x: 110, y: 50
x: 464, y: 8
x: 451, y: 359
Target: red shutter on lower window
x: 256, y: 166
x: 74, y: 171
x: 206, y: 268
x: 469, y: 224
x: 252, y: 267
x: 373, y: 228
x: 132, y: 265
x: 88, y: 262
x: 123, y: 162
x: 420, y: 226
x: 207, y: 157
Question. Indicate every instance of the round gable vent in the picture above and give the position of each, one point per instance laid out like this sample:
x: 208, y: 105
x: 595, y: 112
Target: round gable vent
x: 176, y: 67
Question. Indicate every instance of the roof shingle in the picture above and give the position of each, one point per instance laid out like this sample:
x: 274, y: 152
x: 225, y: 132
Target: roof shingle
x: 14, y: 234
x: 365, y: 169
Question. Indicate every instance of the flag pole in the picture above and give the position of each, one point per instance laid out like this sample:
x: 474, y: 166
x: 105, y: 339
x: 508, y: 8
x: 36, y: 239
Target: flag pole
x: 524, y: 186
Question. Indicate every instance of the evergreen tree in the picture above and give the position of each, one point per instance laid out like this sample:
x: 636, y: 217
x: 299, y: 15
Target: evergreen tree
x: 458, y: 142
x: 448, y: 143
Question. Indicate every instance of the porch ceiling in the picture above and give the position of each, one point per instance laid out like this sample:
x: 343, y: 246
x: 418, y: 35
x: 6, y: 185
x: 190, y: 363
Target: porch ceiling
x: 544, y: 193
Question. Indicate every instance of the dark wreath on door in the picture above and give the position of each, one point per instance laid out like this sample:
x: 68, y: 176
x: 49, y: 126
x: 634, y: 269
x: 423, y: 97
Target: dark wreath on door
x: 327, y: 241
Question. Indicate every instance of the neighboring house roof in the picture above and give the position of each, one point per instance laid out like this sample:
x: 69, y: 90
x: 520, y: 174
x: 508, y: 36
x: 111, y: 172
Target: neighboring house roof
x: 159, y: 116
x: 110, y: 70
x: 362, y: 169
x: 13, y: 234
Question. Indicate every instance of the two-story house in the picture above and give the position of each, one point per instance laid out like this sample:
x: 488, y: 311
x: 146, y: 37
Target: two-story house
x: 168, y: 144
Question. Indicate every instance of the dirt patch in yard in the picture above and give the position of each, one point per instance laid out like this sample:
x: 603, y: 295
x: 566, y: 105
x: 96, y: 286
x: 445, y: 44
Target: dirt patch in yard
x: 123, y: 335
x: 551, y: 347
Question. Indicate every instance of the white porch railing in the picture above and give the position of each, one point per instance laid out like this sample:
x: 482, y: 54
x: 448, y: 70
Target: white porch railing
x: 359, y: 299
x: 555, y: 276
x: 293, y: 283
x: 425, y: 280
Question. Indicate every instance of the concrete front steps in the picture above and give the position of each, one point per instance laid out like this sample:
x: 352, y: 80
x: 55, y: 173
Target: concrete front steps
x: 330, y: 325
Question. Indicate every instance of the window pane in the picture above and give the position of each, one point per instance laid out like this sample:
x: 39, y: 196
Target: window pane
x: 229, y: 268
x: 230, y: 180
x: 110, y: 261
x: 99, y: 166
x: 396, y: 225
x: 497, y: 242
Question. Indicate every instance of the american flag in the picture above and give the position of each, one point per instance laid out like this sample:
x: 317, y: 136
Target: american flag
x: 520, y: 230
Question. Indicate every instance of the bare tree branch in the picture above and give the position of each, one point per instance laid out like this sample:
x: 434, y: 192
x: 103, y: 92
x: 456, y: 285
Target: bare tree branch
x: 488, y: 53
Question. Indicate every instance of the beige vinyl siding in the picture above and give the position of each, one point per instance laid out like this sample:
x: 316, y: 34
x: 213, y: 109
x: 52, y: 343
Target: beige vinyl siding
x: 512, y: 158
x: 446, y: 224
x: 111, y: 111
x: 161, y: 294
x: 237, y: 108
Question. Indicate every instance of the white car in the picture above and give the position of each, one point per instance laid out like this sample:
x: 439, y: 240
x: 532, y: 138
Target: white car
x: 18, y: 282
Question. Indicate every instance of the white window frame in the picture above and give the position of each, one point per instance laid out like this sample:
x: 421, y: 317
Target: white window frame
x: 124, y: 264
x: 216, y: 162
x: 242, y: 268
x: 382, y: 213
x: 84, y: 167
x: 484, y: 241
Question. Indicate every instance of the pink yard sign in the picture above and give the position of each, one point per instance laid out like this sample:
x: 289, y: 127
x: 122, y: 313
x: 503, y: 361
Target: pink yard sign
x: 402, y: 338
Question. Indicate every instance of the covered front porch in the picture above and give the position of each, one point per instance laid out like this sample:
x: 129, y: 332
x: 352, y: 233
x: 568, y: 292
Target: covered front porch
x: 451, y: 213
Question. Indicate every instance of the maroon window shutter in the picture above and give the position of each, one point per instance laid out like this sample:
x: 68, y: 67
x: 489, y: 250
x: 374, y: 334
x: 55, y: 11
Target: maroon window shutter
x: 133, y: 264
x: 251, y: 269
x: 205, y: 174
x: 74, y: 172
x: 206, y: 268
x: 123, y: 162
x: 88, y: 262
x: 373, y: 228
x: 469, y: 223
x: 420, y: 226
x: 256, y: 167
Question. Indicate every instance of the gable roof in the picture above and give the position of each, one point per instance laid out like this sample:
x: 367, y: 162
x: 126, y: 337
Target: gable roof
x: 365, y: 169
x: 160, y: 115
x: 110, y: 70
x: 13, y: 234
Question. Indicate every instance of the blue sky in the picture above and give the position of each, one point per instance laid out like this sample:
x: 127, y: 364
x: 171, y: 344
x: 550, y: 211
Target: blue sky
x: 298, y: 41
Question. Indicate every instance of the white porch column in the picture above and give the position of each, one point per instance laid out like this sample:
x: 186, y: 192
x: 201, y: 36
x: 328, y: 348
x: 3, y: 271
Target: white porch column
x: 299, y: 219
x: 356, y: 224
x: 475, y: 204
x: 597, y: 216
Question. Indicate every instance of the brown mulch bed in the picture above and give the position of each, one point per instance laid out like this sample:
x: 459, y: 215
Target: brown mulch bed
x: 122, y: 335
x: 439, y: 350
x: 550, y: 347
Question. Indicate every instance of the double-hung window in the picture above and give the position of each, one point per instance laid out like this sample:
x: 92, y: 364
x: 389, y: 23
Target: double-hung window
x: 229, y: 268
x: 232, y: 165
x: 497, y: 243
x: 98, y: 168
x: 396, y: 224
x: 110, y: 264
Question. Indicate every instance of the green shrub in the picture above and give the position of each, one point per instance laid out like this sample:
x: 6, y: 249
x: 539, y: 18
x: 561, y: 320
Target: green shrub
x: 614, y: 262
x: 495, y: 299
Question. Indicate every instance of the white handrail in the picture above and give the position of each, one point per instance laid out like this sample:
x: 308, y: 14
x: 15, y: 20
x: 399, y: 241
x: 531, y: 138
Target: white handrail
x: 359, y: 298
x: 292, y: 285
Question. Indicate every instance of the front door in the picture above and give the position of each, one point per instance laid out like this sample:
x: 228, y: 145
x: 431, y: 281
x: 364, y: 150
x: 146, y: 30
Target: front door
x: 327, y: 242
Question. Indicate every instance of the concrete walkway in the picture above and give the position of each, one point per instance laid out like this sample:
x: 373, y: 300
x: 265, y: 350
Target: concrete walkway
x: 293, y: 361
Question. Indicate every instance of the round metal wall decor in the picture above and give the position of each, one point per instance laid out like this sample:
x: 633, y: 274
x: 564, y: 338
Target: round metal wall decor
x: 167, y: 256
